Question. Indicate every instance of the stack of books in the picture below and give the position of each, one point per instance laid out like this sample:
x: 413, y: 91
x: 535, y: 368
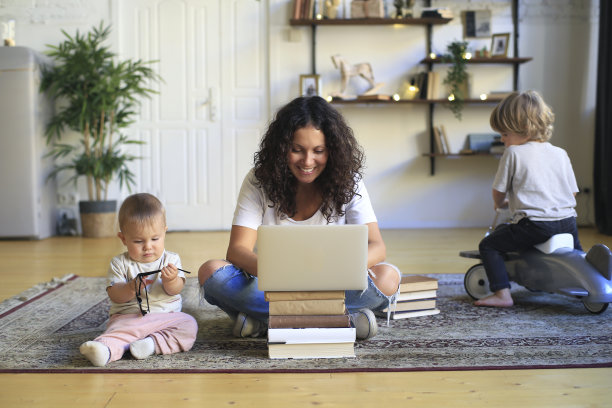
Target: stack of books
x: 309, y: 324
x: 439, y: 12
x: 417, y: 298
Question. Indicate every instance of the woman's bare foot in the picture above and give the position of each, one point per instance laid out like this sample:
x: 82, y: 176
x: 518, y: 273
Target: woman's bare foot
x: 501, y: 298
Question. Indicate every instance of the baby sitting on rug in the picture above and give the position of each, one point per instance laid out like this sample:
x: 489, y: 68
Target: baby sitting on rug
x: 146, y: 278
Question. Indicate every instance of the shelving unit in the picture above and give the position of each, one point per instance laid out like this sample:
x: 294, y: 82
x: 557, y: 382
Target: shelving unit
x: 428, y: 23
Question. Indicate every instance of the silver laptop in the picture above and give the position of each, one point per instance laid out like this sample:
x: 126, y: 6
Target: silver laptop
x: 312, y: 257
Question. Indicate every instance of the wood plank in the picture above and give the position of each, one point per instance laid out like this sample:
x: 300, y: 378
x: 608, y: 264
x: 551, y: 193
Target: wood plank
x: 418, y: 251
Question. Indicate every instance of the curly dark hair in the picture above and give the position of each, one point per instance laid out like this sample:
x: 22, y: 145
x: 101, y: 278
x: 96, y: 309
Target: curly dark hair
x: 338, y: 181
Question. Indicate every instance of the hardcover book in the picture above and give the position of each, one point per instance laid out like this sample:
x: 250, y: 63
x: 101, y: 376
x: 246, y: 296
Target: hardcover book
x: 312, y: 350
x: 308, y: 307
x: 412, y: 283
x: 296, y: 321
x: 303, y: 295
x: 311, y: 335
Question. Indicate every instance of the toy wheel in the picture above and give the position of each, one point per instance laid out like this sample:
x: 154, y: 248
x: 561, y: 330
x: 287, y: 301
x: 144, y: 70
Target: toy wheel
x: 595, y: 308
x: 476, y: 282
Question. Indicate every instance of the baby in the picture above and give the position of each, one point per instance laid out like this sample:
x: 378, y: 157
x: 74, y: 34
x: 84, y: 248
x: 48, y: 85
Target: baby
x: 144, y: 288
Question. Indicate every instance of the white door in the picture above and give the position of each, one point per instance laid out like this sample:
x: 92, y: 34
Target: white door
x: 201, y: 129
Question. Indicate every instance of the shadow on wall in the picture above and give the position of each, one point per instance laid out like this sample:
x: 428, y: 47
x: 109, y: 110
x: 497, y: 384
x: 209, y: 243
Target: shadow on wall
x: 459, y: 197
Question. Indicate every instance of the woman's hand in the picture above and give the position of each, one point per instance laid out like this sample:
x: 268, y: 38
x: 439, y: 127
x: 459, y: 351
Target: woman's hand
x: 240, y: 249
x: 377, y: 251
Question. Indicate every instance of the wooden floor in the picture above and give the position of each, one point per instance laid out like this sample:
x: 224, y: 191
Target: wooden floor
x: 414, y: 251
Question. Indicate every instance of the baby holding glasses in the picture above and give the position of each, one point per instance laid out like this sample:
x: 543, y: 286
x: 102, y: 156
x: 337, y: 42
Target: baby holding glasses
x: 144, y: 288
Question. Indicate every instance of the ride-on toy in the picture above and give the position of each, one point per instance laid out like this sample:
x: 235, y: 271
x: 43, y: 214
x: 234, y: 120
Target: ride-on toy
x: 555, y: 267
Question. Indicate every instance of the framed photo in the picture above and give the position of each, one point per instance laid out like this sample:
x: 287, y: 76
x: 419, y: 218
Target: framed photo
x: 499, y: 45
x: 310, y: 85
x: 477, y: 24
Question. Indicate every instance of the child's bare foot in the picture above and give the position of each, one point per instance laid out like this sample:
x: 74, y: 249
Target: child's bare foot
x: 501, y: 298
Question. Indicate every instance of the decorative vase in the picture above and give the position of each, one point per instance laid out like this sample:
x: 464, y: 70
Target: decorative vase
x: 98, y: 218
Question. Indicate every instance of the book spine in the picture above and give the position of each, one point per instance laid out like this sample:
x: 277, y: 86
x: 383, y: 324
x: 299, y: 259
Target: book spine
x: 270, y: 296
x: 311, y: 335
x: 292, y: 321
x: 416, y: 313
x: 307, y: 307
x: 412, y: 305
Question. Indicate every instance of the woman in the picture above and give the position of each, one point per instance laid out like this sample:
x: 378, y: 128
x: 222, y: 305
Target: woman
x: 307, y: 171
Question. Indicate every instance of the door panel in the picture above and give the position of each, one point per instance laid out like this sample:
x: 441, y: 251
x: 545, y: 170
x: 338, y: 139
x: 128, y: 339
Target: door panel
x: 202, y: 128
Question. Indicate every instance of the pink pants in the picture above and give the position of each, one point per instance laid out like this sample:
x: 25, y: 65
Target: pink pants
x: 171, y: 332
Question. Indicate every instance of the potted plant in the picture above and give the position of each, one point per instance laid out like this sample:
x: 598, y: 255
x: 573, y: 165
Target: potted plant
x: 96, y: 97
x: 456, y: 76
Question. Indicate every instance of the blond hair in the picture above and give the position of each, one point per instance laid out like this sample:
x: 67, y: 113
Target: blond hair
x: 141, y: 208
x: 524, y: 113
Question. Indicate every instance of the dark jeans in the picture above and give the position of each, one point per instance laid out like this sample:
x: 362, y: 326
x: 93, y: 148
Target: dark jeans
x: 516, y: 238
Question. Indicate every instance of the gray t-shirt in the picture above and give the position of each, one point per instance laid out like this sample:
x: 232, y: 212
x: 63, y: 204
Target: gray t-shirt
x: 539, y: 182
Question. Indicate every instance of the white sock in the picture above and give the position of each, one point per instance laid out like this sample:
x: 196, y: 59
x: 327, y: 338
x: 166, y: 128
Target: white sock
x: 141, y: 349
x: 97, y: 353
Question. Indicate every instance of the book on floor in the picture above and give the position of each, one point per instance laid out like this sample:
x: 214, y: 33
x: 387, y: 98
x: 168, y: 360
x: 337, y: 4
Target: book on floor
x: 311, y: 335
x: 415, y: 313
x: 311, y: 350
x: 304, y: 321
x: 412, y: 305
x: 412, y: 283
x: 307, y: 307
x: 417, y: 294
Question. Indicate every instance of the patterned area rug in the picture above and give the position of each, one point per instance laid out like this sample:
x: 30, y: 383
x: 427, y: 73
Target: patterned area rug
x: 42, y: 328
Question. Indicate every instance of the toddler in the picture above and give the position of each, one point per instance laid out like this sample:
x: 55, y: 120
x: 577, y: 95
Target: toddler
x: 145, y: 312
x: 535, y: 180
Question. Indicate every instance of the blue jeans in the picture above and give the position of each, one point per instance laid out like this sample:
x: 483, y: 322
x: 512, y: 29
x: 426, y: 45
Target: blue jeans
x: 234, y: 291
x: 516, y: 238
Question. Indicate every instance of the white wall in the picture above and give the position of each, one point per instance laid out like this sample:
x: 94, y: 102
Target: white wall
x: 561, y: 37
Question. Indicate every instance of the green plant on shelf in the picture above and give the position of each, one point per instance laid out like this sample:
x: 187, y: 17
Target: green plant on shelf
x: 456, y: 76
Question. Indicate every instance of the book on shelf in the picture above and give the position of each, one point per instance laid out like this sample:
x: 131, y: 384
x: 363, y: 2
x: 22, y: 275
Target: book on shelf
x: 272, y: 296
x: 374, y: 97
x: 312, y: 335
x: 418, y: 294
x: 432, y: 85
x: 304, y: 321
x: 308, y: 307
x: 312, y: 350
x: 415, y: 313
x: 438, y: 141
x: 445, y: 139
x: 297, y: 9
x: 412, y: 305
x: 420, y: 81
x: 498, y: 94
x: 439, y: 12
x: 412, y: 283
x: 481, y: 142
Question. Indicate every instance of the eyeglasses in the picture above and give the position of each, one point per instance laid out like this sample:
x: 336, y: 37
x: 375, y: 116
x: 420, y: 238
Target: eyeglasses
x: 139, y: 283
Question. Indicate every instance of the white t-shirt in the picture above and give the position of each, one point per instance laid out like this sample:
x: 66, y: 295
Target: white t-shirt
x: 122, y: 269
x: 253, y: 208
x: 539, y: 182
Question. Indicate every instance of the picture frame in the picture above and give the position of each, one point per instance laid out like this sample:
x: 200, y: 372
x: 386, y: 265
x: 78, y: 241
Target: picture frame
x: 499, y: 44
x: 476, y: 24
x: 310, y: 85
